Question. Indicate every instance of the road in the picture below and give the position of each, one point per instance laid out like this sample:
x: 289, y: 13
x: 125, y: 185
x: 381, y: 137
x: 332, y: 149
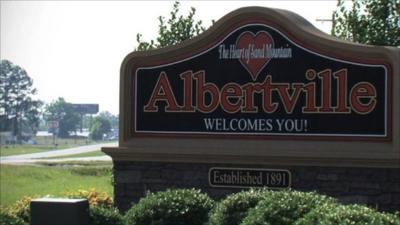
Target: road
x: 36, y: 157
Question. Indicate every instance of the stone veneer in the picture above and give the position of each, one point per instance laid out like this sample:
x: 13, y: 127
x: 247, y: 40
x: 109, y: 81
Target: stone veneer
x: 376, y: 187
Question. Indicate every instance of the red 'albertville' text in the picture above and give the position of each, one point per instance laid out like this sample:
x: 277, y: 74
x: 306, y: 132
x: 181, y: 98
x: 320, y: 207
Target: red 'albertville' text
x: 233, y: 97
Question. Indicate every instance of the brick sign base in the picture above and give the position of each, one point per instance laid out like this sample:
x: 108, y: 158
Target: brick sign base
x: 376, y: 187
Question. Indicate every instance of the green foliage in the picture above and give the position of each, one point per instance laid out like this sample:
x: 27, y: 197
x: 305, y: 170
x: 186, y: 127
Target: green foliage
x: 100, y: 215
x: 7, y: 218
x: 17, y: 108
x: 171, y: 207
x: 114, y: 120
x: 65, y: 114
x: 173, y: 31
x: 233, y: 209
x: 284, y: 207
x: 334, y: 214
x: 189, y: 206
x: 100, y: 126
x: 374, y: 22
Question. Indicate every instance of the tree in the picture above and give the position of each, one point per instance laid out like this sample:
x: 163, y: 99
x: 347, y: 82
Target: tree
x: 174, y: 31
x: 112, y: 118
x: 374, y: 22
x: 99, y: 127
x: 17, y: 107
x: 63, y: 112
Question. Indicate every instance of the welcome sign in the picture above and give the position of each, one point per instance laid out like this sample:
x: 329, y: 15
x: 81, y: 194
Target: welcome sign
x: 258, y: 80
x: 260, y: 99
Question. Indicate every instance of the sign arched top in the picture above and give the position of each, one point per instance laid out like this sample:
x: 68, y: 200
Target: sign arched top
x: 259, y: 75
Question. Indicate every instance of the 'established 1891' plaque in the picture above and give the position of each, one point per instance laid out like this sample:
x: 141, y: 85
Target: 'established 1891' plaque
x: 249, y: 177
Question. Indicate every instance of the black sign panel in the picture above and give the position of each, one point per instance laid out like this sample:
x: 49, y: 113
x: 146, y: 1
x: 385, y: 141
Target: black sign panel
x: 249, y: 177
x: 257, y: 81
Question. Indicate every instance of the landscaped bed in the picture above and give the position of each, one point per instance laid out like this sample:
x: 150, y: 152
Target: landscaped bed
x: 190, y: 206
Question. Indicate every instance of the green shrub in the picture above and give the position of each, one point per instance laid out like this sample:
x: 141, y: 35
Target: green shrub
x: 348, y: 215
x: 171, y: 207
x: 284, y: 207
x: 100, y: 215
x: 7, y: 218
x: 233, y: 209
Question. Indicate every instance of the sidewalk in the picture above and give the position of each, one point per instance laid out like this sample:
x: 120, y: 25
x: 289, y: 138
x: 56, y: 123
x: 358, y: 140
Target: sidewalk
x: 36, y: 157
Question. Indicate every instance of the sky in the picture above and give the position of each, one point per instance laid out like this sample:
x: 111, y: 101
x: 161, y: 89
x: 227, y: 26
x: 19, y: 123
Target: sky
x: 74, y: 49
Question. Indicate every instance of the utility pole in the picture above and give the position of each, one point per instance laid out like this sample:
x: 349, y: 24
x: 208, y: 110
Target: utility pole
x: 326, y: 20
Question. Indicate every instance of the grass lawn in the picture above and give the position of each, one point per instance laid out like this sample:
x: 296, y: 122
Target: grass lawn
x: 52, y: 179
x: 23, y: 149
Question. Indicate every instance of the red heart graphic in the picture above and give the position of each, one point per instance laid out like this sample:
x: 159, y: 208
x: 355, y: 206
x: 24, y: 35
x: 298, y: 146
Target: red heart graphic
x: 255, y: 62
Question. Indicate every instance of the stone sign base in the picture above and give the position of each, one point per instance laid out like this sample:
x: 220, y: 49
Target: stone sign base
x: 376, y: 187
